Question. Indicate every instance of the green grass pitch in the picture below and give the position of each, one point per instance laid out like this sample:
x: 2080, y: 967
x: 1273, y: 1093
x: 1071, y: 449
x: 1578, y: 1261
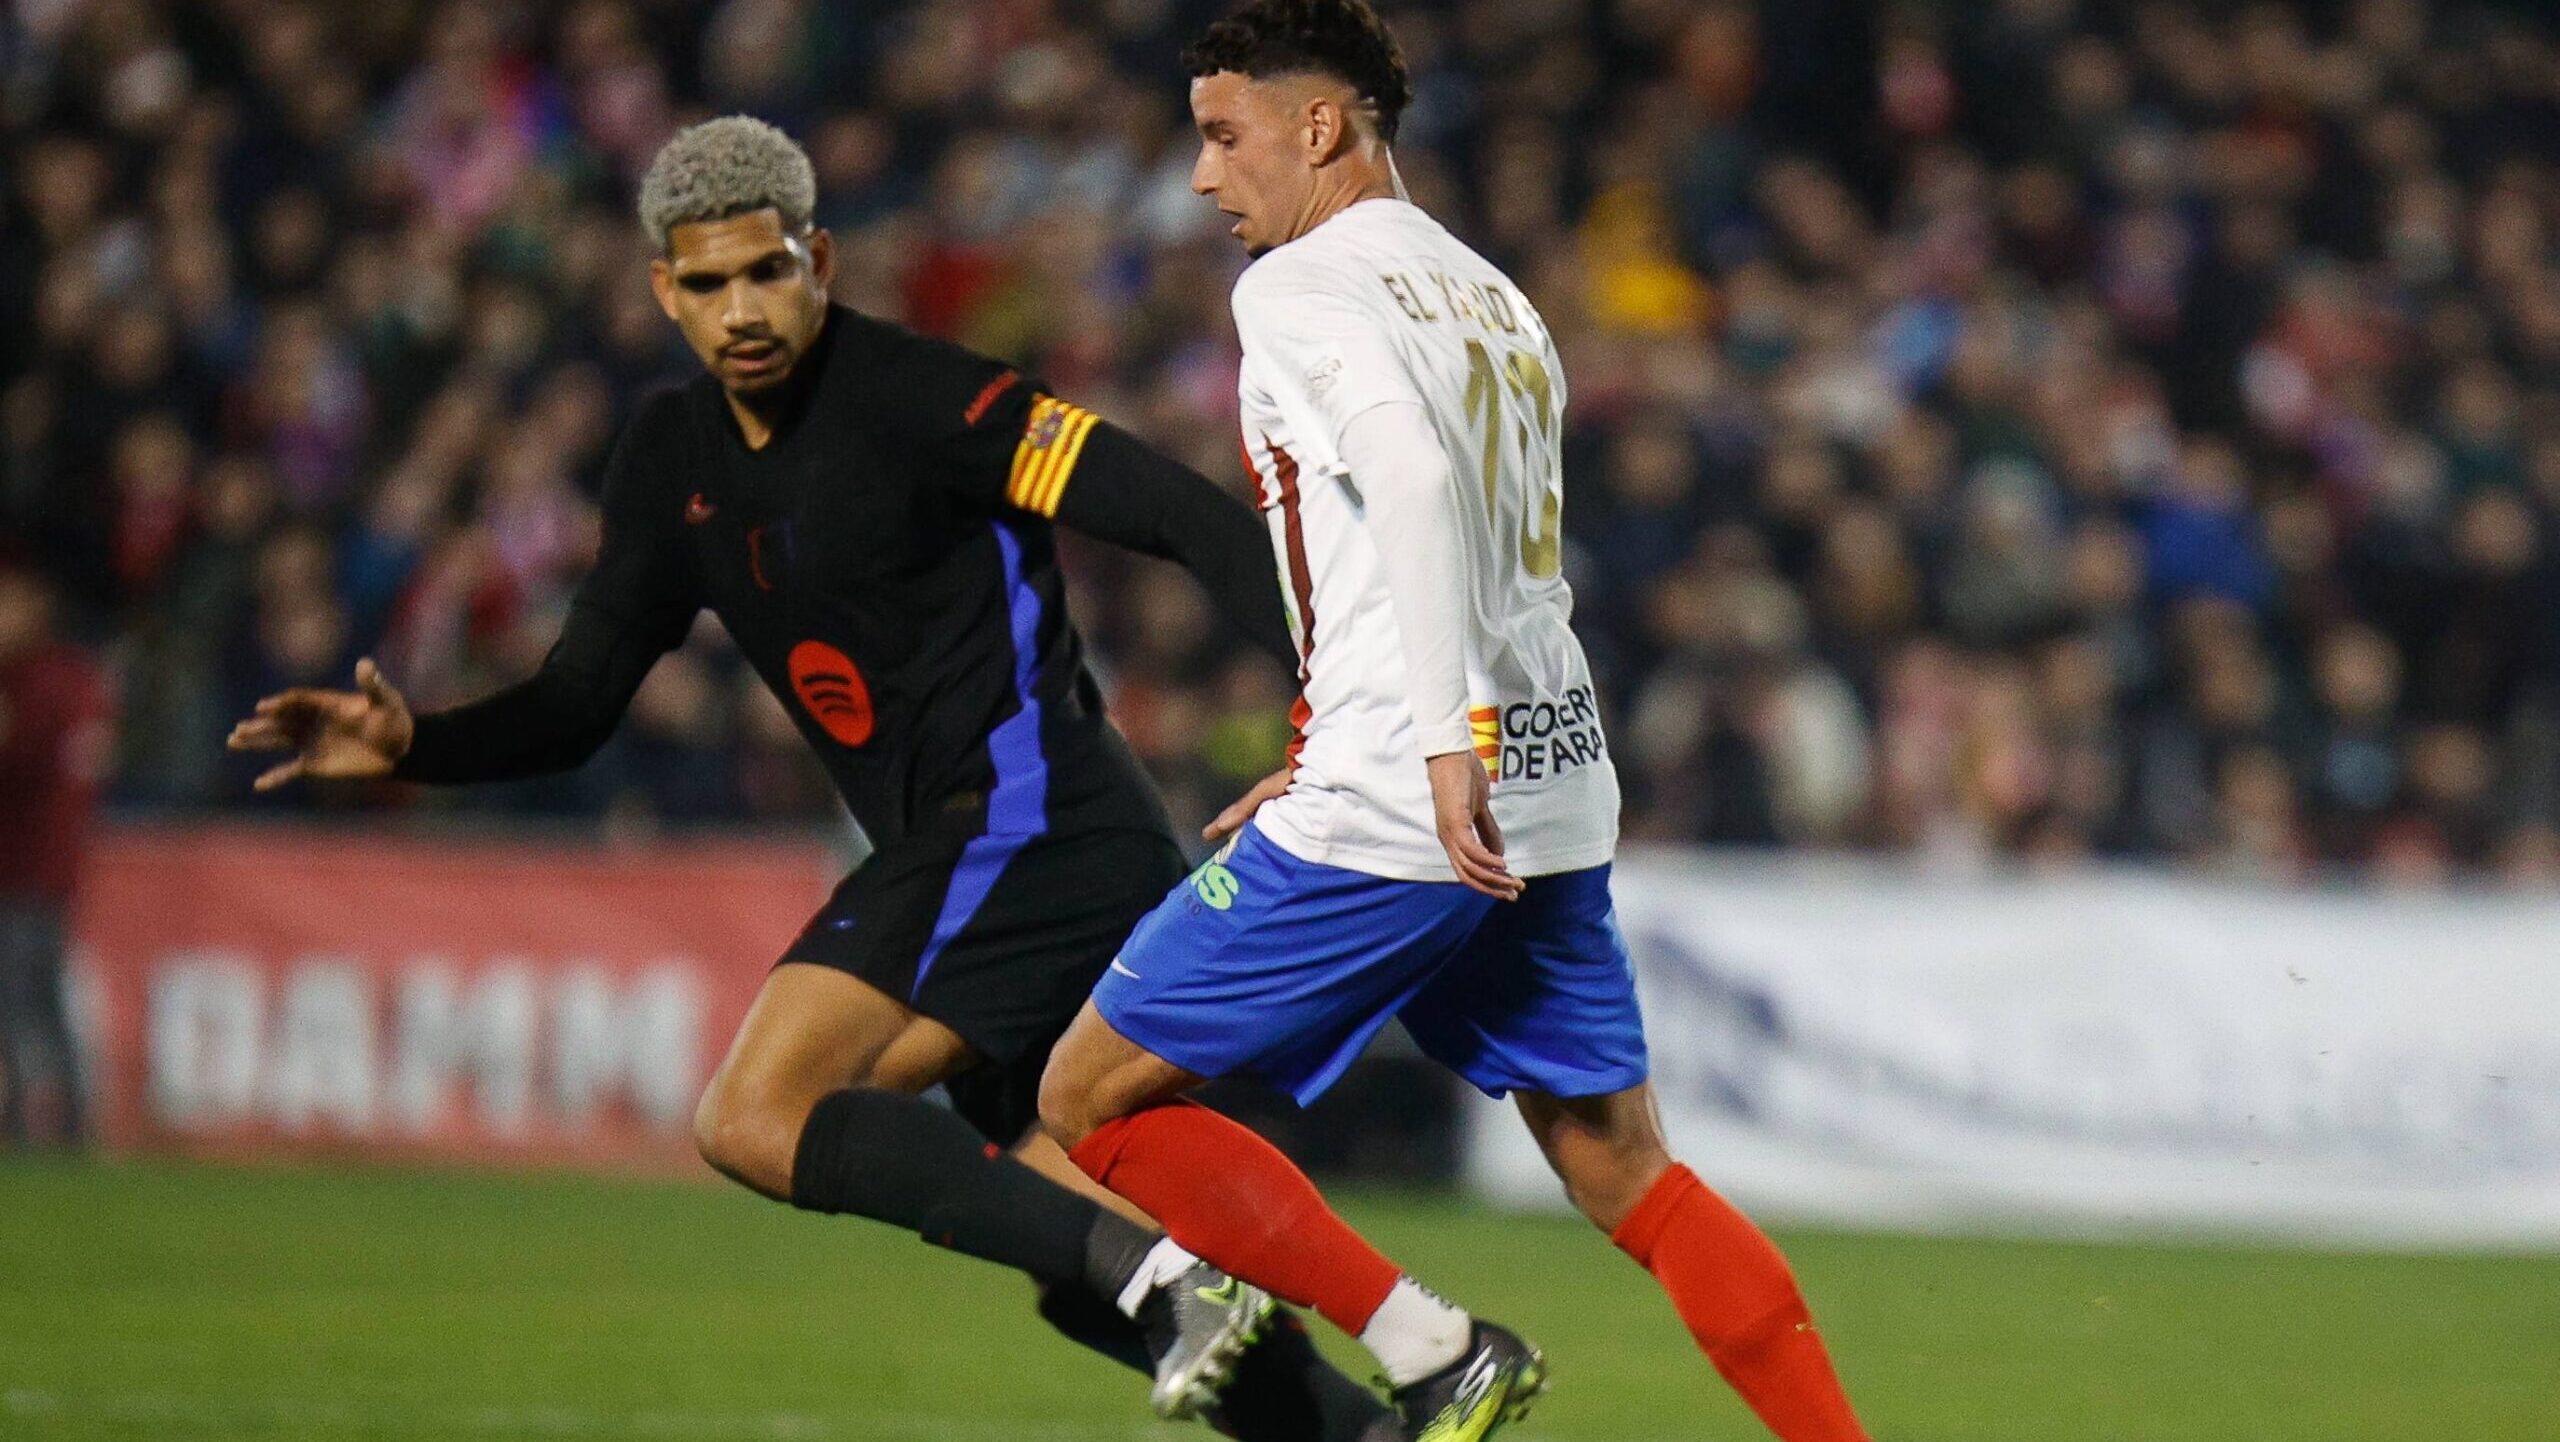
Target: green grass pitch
x: 191, y: 1303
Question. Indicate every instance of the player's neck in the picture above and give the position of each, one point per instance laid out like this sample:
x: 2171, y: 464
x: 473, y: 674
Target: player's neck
x: 753, y: 426
x: 761, y: 415
x: 1347, y: 183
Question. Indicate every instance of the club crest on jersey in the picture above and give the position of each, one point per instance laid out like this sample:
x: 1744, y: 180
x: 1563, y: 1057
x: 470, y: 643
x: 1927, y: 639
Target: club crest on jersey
x: 697, y: 510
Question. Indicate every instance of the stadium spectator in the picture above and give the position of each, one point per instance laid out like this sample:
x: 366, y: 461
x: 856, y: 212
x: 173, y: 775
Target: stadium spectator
x: 2033, y: 429
x: 53, y: 754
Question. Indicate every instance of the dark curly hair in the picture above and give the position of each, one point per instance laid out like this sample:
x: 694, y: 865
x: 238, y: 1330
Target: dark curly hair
x: 1341, y: 38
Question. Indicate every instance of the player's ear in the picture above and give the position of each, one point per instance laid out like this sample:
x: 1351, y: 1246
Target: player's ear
x: 1333, y: 126
x: 822, y: 257
x: 662, y: 283
x: 1321, y: 129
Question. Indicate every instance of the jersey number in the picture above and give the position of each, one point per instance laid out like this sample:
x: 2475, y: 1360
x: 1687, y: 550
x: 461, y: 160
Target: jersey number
x: 1541, y: 549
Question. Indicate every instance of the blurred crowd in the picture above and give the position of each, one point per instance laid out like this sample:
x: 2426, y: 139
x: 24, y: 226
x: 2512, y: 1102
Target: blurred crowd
x: 2039, y: 429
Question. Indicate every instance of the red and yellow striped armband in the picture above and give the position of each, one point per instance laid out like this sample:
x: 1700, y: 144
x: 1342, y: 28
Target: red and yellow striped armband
x: 1047, y: 455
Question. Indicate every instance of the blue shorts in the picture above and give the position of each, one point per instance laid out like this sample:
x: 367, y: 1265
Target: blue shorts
x: 1262, y: 962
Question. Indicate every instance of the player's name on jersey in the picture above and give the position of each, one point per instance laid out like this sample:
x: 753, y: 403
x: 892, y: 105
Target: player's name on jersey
x: 1543, y: 739
x: 1464, y: 299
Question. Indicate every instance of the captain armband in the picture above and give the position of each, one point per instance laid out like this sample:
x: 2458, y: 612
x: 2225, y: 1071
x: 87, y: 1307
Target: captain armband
x: 1051, y: 442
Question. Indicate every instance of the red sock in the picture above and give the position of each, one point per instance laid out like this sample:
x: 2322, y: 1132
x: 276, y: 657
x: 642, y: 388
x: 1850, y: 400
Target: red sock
x: 1733, y: 1289
x: 1231, y: 1198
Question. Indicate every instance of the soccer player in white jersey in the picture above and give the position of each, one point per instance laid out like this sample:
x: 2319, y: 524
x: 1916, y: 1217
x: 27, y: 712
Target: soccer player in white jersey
x: 1439, y: 850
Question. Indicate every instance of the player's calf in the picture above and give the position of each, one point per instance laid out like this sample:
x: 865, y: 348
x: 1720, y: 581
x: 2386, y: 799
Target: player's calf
x: 1607, y: 1150
x: 1726, y: 1278
x: 1228, y: 1193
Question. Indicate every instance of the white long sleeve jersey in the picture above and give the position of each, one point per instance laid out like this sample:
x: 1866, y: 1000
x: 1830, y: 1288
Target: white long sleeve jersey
x: 1426, y: 589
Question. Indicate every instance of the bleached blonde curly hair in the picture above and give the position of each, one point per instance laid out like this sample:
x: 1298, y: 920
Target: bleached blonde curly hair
x: 734, y: 165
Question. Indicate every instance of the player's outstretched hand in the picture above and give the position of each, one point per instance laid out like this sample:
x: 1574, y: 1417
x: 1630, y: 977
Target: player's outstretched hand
x: 338, y: 734
x: 1462, y: 800
x: 1241, y: 810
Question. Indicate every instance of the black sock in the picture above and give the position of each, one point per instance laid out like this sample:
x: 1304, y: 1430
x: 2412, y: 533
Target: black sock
x: 902, y: 1160
x: 1284, y: 1390
x: 1113, y: 1252
x: 1090, y: 1319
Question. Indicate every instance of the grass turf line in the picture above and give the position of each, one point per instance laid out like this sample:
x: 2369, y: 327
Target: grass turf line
x: 202, y: 1303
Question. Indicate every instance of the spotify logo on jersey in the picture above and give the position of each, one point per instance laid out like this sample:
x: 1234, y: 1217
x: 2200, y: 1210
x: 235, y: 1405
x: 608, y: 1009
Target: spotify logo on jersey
x: 825, y: 680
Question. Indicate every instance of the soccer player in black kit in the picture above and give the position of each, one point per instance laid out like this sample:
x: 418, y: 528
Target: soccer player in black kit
x: 868, y: 513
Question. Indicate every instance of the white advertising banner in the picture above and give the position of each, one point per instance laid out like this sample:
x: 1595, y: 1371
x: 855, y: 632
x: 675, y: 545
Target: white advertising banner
x: 2122, y: 1053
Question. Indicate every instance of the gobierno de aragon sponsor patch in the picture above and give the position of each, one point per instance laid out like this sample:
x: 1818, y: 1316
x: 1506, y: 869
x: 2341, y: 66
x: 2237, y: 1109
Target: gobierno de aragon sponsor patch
x: 1525, y: 742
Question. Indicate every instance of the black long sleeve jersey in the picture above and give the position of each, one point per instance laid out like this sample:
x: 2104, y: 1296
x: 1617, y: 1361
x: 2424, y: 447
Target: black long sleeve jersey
x: 885, y: 562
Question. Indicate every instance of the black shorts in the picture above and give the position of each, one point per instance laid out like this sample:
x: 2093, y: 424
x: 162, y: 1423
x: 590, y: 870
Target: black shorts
x: 1000, y: 939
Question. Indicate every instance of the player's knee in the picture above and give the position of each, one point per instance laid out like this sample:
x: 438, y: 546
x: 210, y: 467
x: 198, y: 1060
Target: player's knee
x: 1066, y: 1109
x: 715, y: 1133
x: 1061, y: 1116
x: 1606, y: 1182
x: 746, y: 1137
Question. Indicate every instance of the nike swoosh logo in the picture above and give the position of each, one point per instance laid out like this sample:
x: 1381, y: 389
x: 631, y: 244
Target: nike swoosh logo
x: 1222, y: 1295
x: 1124, y: 971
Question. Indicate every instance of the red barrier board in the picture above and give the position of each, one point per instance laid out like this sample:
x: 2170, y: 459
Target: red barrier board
x: 258, y: 991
